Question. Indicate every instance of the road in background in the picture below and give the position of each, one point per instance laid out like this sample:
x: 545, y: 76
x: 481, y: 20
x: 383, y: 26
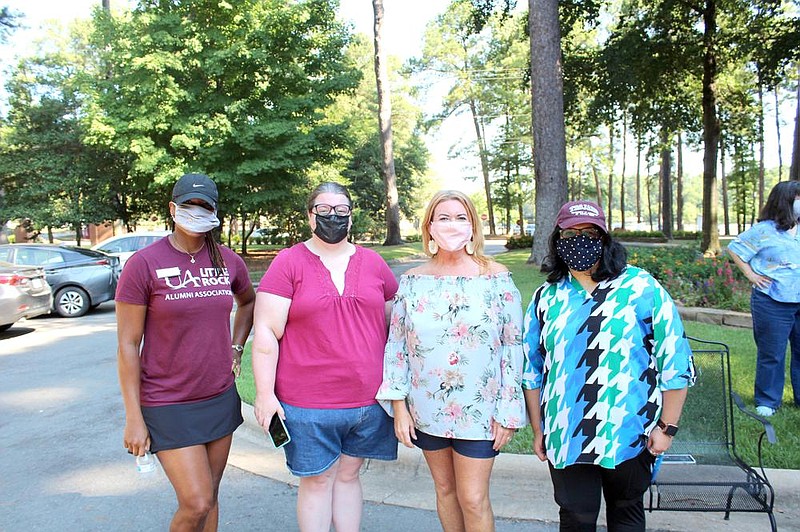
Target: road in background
x: 62, y: 464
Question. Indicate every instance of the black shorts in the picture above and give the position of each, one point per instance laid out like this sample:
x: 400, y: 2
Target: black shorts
x: 183, y: 425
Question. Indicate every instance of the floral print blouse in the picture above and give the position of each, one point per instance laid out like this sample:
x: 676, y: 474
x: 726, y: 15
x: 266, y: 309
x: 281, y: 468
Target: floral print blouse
x: 455, y: 354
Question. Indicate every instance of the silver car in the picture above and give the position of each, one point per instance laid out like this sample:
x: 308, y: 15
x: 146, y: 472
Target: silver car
x: 123, y: 246
x: 80, y: 278
x: 24, y: 293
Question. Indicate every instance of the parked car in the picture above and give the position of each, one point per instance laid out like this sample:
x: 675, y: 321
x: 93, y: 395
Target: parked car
x: 123, y: 246
x: 80, y: 278
x: 24, y: 293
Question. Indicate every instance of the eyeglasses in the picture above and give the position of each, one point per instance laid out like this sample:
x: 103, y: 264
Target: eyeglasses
x: 326, y: 210
x: 588, y: 232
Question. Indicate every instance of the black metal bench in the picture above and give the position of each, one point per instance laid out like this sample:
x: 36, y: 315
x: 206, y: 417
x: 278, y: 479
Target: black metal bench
x: 702, y: 472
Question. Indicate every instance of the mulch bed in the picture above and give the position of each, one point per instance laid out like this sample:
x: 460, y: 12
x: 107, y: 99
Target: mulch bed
x: 258, y: 262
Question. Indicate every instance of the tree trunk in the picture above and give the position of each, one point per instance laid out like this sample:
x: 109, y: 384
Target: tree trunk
x: 679, y: 193
x: 610, y: 176
x: 710, y: 245
x: 649, y: 201
x: 778, y: 132
x: 385, y: 126
x: 794, y: 171
x: 597, y: 188
x: 639, y: 180
x: 622, y: 177
x: 106, y: 5
x: 760, y: 142
x: 487, y: 185
x: 726, y: 213
x: 549, y: 137
x: 665, y: 177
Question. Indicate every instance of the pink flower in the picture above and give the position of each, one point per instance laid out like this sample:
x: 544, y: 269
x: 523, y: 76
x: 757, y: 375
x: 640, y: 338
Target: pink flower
x: 508, y: 296
x: 453, y: 410
x: 510, y: 332
x: 453, y: 358
x: 460, y: 330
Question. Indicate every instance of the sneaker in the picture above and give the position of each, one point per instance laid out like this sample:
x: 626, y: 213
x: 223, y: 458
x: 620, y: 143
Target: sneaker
x: 765, y: 411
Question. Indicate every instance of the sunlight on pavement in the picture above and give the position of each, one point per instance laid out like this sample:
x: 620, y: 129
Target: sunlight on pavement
x: 110, y: 479
x: 40, y: 398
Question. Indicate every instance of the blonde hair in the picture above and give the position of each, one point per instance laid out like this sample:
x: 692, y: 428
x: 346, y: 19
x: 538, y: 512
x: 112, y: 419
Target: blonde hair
x: 472, y: 214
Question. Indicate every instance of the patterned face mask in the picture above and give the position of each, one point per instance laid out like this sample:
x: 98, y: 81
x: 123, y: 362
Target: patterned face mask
x: 580, y: 253
x: 796, y: 207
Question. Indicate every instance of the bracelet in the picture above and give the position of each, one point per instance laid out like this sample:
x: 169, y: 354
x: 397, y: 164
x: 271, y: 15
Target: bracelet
x: 239, y: 348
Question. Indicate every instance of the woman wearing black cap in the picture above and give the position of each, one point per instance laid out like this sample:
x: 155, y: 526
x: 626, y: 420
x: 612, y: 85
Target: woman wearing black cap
x: 606, y: 372
x: 178, y: 385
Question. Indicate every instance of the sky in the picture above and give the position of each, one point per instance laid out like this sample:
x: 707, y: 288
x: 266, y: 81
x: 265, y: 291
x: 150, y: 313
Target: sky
x: 404, y: 25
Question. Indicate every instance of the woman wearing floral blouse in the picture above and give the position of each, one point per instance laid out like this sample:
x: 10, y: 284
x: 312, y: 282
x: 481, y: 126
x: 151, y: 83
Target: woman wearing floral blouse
x: 453, y: 363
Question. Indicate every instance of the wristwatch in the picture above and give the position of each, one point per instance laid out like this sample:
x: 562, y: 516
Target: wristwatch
x: 238, y: 348
x: 668, y: 429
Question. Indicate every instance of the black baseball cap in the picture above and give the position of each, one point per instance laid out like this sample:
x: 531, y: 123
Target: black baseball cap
x: 195, y: 186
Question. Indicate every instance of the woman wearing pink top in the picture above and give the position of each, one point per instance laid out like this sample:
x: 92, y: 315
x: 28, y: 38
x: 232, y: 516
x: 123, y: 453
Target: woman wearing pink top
x: 320, y: 330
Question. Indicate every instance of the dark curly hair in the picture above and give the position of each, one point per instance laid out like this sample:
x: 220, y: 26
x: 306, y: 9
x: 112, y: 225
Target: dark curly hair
x: 780, y: 205
x: 612, y: 261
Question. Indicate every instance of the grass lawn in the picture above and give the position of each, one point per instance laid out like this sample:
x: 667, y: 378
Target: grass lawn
x: 785, y: 454
x: 398, y: 252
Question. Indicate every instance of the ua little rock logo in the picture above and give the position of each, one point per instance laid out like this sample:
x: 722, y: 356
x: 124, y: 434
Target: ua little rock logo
x: 207, y: 277
x: 584, y: 209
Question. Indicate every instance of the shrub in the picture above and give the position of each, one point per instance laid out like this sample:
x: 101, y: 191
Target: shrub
x: 686, y: 235
x: 519, y: 242
x: 619, y: 233
x: 413, y: 238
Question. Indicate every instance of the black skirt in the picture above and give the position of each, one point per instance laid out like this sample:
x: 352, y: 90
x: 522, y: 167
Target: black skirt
x: 183, y: 425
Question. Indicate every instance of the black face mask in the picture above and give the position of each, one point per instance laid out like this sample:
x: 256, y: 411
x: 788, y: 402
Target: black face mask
x: 332, y: 229
x: 580, y: 252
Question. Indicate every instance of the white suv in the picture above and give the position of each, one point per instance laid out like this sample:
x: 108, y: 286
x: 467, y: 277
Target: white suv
x: 123, y: 246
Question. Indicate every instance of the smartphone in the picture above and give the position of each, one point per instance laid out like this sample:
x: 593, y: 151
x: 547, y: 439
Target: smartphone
x: 277, y: 432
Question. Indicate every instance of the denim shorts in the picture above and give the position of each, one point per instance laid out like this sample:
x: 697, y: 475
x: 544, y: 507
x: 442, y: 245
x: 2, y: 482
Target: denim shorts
x: 321, y: 435
x: 468, y: 448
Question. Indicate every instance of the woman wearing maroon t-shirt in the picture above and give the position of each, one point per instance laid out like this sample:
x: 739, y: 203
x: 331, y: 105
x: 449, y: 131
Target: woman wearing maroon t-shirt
x: 320, y: 329
x: 178, y: 384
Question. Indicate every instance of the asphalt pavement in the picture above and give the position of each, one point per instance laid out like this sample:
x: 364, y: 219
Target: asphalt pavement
x: 63, y: 467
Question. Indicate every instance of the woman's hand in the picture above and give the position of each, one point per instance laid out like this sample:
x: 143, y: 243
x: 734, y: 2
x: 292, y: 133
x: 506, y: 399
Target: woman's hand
x: 658, y: 443
x: 266, y: 405
x: 761, y: 281
x: 403, y: 423
x: 236, y: 368
x: 136, y: 438
x: 538, y: 446
x: 501, y: 435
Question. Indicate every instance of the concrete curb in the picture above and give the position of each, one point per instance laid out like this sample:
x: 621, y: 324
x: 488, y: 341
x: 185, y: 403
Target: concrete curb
x: 717, y: 316
x: 520, y: 488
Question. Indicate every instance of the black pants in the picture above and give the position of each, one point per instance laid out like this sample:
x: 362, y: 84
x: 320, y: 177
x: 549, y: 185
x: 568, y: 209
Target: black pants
x: 577, y: 491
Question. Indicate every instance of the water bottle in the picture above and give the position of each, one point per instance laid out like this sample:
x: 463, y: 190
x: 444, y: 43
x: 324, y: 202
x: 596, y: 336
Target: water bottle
x: 145, y: 464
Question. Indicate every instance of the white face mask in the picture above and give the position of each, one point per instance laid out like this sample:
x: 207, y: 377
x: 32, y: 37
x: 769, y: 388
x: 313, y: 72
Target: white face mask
x: 451, y: 236
x: 195, y: 219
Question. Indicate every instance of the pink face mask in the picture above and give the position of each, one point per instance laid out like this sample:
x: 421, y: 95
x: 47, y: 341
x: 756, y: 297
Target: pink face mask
x: 451, y: 236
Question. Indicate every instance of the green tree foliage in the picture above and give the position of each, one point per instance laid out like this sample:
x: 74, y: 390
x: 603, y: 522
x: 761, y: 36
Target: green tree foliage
x: 46, y: 172
x: 236, y: 91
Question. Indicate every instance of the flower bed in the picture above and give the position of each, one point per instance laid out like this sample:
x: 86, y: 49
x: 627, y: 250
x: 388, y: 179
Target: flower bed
x: 695, y: 281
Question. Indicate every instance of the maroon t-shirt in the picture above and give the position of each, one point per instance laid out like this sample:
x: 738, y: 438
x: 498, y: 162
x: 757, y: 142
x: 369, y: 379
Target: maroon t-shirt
x: 331, y: 353
x: 186, y: 355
